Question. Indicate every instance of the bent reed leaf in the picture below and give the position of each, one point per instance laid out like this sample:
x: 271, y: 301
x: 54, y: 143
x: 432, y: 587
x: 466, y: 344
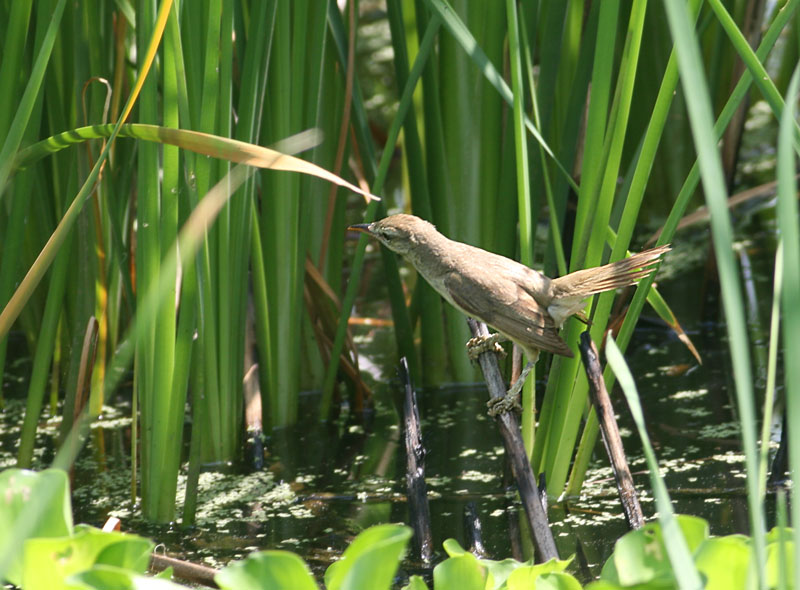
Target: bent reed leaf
x: 207, y: 144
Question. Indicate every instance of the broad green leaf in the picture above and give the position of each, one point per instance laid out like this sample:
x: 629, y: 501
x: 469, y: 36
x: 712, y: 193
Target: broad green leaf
x: 416, y: 583
x: 552, y: 581
x: 49, y: 561
x: 640, y: 557
x: 274, y: 570
x: 531, y: 576
x: 31, y: 505
x: 106, y: 577
x: 463, y: 572
x: 724, y: 561
x: 100, y: 577
x: 773, y: 565
x: 371, y: 559
x: 501, y: 571
x: 453, y: 548
x: 603, y: 585
x: 775, y: 533
x: 695, y: 530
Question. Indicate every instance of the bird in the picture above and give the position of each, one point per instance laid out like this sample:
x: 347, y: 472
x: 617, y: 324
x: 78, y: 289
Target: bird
x: 520, y: 303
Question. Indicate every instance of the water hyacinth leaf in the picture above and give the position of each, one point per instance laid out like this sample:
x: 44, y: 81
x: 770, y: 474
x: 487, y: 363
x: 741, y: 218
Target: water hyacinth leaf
x: 371, y: 559
x: 641, y: 556
x: 606, y: 585
x: 121, y: 549
x: 542, y: 575
x: 453, y: 548
x: 33, y: 505
x: 501, y: 570
x: 416, y: 583
x: 638, y: 558
x: 16, y: 488
x: 462, y: 571
x: 780, y: 534
x: 528, y: 577
x: 100, y: 577
x: 780, y: 566
x: 273, y: 570
x: 724, y: 561
x: 83, y: 550
x: 103, y: 577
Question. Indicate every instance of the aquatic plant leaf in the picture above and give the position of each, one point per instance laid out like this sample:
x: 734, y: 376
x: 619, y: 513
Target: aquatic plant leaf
x: 371, y: 559
x: 453, y: 548
x: 48, y: 562
x: 640, y: 557
x: 462, y: 571
x: 527, y: 577
x: 416, y: 583
x: 725, y: 561
x: 774, y: 535
x: 33, y: 505
x: 603, y: 585
x: 103, y: 577
x: 501, y: 571
x: 775, y: 562
x: 276, y: 570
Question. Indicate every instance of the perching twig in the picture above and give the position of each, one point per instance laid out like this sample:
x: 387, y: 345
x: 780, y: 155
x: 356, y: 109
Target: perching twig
x: 610, y: 432
x: 512, y: 439
x: 418, y: 508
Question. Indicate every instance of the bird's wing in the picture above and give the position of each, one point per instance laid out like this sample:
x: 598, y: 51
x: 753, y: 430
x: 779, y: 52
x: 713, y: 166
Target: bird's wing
x: 506, y: 307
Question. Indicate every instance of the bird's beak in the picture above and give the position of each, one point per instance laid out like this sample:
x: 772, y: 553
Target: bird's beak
x: 360, y: 227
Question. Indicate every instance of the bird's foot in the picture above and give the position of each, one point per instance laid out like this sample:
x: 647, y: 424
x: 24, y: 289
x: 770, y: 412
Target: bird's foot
x: 480, y: 344
x: 510, y: 401
x: 507, y: 403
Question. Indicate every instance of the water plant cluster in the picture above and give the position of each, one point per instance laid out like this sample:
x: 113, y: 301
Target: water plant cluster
x: 89, y: 558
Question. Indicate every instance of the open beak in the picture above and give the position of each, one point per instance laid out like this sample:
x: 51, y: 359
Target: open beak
x: 360, y: 227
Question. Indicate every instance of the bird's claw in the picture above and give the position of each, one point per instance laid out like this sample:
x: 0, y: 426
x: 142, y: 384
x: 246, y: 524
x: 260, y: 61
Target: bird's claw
x: 480, y: 344
x: 511, y: 400
x: 507, y: 403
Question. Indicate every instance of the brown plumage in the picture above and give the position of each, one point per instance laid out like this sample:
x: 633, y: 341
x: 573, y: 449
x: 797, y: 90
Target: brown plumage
x: 521, y: 303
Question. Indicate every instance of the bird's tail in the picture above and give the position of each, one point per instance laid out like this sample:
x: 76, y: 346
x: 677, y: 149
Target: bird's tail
x: 570, y: 290
x: 622, y: 273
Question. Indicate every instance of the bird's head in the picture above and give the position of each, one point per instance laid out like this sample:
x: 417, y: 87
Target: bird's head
x: 400, y: 233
